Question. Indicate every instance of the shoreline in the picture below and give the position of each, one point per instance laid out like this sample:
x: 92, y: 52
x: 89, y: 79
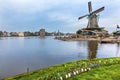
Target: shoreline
x: 62, y: 69
x: 106, y: 40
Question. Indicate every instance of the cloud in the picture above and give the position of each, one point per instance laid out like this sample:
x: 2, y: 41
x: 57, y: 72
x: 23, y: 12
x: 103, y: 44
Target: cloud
x: 16, y: 14
x: 68, y: 21
x: 35, y: 5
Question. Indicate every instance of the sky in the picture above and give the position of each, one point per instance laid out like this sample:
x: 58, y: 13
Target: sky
x: 54, y: 15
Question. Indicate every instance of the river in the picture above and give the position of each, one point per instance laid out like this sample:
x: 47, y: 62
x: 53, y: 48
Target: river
x: 19, y: 53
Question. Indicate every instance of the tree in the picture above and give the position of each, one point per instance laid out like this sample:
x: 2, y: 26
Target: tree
x: 116, y: 33
x: 1, y: 33
x: 79, y: 31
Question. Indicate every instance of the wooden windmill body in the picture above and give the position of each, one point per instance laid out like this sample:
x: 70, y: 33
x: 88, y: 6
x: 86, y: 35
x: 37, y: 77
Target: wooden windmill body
x: 92, y: 16
x: 92, y: 26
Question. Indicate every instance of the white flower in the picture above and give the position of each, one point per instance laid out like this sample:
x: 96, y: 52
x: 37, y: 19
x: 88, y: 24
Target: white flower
x: 61, y: 78
x: 99, y: 61
x: 69, y: 75
x: 85, y: 69
x: 66, y: 76
x: 82, y: 70
x: 77, y: 72
x: 89, y: 68
x: 74, y: 73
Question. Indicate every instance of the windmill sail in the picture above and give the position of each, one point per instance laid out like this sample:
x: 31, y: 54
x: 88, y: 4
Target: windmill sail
x: 98, y: 10
x: 82, y: 16
x: 92, y: 16
x: 90, y: 7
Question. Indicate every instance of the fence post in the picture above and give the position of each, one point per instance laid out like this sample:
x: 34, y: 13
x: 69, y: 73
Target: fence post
x: 27, y: 73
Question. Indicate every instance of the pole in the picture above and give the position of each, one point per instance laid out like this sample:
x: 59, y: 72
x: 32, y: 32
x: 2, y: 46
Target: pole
x: 27, y: 73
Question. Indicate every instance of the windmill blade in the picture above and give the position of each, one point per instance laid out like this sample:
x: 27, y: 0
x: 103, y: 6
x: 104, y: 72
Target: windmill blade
x: 82, y: 16
x: 98, y: 10
x: 90, y: 7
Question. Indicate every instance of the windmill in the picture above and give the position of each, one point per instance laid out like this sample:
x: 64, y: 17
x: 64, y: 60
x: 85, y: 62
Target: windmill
x: 92, y: 16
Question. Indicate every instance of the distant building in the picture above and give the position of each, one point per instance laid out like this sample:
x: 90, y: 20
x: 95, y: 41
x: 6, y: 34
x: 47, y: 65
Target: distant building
x: 42, y: 32
x: 21, y: 34
x: 9, y: 34
x: 13, y: 34
x: 37, y: 33
x: 5, y: 34
x: 58, y: 33
x: 53, y: 33
x: 27, y: 33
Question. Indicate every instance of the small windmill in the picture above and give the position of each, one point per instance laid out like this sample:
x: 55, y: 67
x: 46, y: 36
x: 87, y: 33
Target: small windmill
x: 92, y: 16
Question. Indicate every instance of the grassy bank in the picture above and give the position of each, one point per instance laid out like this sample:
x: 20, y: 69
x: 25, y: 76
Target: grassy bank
x: 84, y: 69
x: 104, y: 73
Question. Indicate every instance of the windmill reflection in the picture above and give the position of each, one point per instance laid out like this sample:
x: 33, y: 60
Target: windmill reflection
x: 90, y: 46
x: 92, y: 49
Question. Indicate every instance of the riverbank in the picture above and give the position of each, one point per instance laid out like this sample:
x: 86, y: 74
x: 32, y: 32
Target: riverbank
x: 68, y: 70
x: 102, y: 40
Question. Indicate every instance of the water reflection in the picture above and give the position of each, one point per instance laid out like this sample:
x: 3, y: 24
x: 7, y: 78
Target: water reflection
x: 118, y: 47
x: 88, y: 49
x: 92, y: 49
x: 82, y: 45
x: 42, y: 37
x: 18, y: 53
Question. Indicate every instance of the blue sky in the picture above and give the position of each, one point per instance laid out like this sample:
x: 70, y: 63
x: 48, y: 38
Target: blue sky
x: 32, y: 15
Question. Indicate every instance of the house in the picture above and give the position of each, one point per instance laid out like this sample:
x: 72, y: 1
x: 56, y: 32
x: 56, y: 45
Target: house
x: 42, y: 32
x: 20, y: 34
x: 5, y: 34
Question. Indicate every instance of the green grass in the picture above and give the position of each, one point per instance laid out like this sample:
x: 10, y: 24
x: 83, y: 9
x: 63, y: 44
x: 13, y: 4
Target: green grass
x: 107, y: 69
x: 104, y: 73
